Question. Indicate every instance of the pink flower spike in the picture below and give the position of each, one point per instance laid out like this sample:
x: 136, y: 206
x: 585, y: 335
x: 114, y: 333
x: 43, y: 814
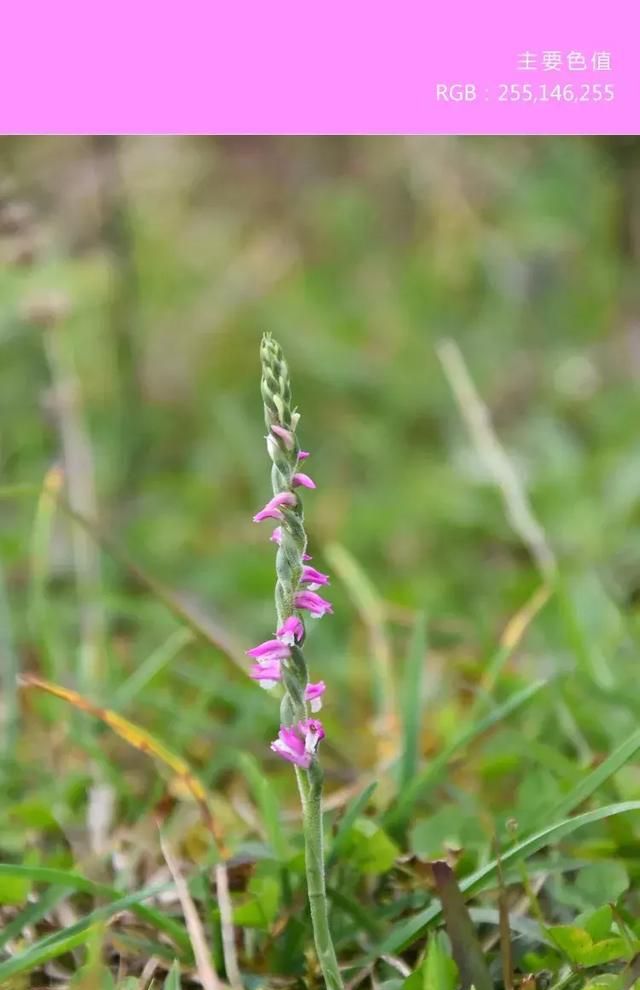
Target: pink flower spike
x: 276, y: 536
x: 268, y: 673
x: 312, y: 576
x: 316, y: 605
x: 313, y: 694
x: 284, y: 434
x: 291, y: 746
x: 303, y: 479
x: 302, y: 455
x: 290, y: 631
x: 271, y: 649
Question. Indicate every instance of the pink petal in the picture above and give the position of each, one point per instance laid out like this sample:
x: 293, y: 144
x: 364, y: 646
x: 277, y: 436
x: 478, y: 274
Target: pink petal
x: 271, y: 649
x: 302, y: 455
x: 313, y: 694
x: 313, y: 602
x: 303, y: 479
x: 267, y: 514
x: 266, y: 671
x: 310, y: 574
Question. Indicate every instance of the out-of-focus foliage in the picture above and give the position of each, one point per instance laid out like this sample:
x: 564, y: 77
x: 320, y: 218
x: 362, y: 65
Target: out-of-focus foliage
x: 137, y: 277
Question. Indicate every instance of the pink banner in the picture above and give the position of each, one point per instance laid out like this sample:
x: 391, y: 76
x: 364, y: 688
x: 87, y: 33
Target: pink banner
x: 336, y: 66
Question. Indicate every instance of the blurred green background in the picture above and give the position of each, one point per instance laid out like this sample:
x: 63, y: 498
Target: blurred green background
x: 138, y: 275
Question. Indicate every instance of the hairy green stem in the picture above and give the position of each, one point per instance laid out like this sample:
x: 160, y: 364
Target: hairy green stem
x: 310, y: 787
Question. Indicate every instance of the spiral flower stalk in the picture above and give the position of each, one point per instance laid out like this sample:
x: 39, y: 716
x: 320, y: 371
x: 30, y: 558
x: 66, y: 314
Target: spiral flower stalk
x: 281, y: 659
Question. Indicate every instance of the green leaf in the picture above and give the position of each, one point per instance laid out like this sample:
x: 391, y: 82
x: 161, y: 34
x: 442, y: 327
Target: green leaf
x: 574, y: 942
x: 604, y: 881
x: 370, y: 849
x: 606, y: 951
x: 597, y: 923
x: 581, y: 949
x: 411, y: 703
x: 413, y: 928
x: 14, y: 889
x: 605, y: 981
x: 261, y: 907
x: 438, y: 970
x: 172, y: 980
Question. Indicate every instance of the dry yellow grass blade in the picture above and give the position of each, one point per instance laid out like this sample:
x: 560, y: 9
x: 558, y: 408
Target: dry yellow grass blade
x: 520, y: 622
x: 141, y: 740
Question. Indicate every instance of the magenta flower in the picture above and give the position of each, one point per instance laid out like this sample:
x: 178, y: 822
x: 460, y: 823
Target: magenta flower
x: 290, y: 631
x: 271, y: 649
x: 298, y: 743
x: 268, y: 673
x: 313, y: 694
x: 313, y: 577
x: 284, y: 434
x: 272, y: 508
x: 302, y: 455
x: 315, y: 604
x: 313, y: 731
x: 302, y: 479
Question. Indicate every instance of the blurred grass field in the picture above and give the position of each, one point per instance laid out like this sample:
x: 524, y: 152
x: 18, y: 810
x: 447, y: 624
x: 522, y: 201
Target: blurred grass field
x: 137, y: 277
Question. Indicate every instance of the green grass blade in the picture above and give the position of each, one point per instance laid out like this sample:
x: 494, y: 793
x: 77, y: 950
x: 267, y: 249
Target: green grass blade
x: 76, y: 882
x: 33, y: 913
x: 352, y: 812
x: 411, y: 703
x: 597, y: 777
x: 62, y: 941
x: 415, y: 927
x: 432, y: 774
x: 152, y: 665
x: 172, y: 981
x: 268, y: 804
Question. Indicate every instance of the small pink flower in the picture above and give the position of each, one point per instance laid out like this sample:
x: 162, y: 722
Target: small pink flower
x: 302, y: 455
x: 268, y: 673
x: 298, y: 743
x: 284, y: 434
x: 313, y: 694
x: 302, y: 479
x: 290, y: 631
x: 313, y: 731
x: 271, y: 649
x: 316, y: 605
x: 290, y: 745
x: 272, y: 509
x: 313, y: 577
